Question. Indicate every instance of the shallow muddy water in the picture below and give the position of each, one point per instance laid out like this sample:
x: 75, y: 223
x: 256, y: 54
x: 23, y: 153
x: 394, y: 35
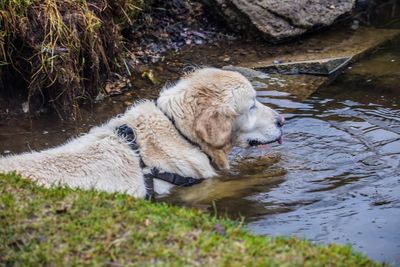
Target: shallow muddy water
x: 336, y: 178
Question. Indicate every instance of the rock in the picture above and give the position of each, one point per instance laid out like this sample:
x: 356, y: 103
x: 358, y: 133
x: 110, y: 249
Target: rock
x: 327, y: 66
x: 355, y: 25
x: 337, y: 48
x: 299, y: 86
x: 25, y: 107
x: 279, y: 19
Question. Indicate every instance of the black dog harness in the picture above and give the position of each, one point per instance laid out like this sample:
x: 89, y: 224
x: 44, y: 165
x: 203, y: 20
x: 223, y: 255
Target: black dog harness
x: 127, y: 133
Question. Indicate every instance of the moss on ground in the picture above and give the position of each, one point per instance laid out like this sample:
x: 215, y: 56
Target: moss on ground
x: 56, y: 227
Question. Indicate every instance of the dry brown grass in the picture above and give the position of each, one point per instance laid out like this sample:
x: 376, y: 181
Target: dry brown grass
x: 58, y: 52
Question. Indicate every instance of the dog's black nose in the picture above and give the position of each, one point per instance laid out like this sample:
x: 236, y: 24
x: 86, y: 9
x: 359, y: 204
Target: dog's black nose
x: 280, y: 121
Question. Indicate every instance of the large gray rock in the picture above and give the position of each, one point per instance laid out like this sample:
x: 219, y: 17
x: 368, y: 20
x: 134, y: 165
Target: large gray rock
x: 279, y: 19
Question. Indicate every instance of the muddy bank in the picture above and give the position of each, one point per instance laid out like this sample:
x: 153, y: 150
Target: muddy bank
x: 167, y: 26
x: 56, y: 53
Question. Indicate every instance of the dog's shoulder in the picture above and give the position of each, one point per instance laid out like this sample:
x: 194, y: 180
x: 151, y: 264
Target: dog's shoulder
x: 144, y: 108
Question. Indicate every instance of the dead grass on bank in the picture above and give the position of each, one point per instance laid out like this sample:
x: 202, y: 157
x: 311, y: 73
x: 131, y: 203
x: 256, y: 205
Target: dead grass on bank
x: 58, y: 52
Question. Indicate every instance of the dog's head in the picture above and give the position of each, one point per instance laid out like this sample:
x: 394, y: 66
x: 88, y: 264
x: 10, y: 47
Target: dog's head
x: 218, y: 109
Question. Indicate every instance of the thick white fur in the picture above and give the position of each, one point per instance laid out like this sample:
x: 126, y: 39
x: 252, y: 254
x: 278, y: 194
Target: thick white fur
x: 103, y: 161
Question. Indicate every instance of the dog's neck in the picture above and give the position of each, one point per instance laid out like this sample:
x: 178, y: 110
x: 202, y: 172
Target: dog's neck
x: 172, y: 120
x: 218, y: 157
x: 160, y: 143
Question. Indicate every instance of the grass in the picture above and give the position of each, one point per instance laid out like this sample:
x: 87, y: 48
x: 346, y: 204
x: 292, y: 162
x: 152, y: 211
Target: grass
x: 61, y: 51
x: 57, y: 227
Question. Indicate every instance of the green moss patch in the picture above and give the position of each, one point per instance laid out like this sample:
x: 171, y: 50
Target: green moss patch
x: 56, y: 227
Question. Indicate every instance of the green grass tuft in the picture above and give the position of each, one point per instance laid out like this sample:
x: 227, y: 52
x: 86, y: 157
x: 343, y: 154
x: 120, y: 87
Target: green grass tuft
x: 56, y: 227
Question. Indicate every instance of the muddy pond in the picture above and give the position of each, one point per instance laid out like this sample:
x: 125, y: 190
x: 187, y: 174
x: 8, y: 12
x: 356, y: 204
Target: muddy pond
x: 336, y: 178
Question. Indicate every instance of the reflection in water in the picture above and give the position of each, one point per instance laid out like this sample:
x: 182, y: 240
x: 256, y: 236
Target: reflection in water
x: 24, y: 134
x: 245, y: 177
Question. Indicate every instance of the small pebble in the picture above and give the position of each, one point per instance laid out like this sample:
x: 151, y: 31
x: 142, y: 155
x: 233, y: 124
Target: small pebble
x: 45, y: 132
x: 355, y: 25
x: 25, y: 107
x: 6, y: 151
x: 198, y: 41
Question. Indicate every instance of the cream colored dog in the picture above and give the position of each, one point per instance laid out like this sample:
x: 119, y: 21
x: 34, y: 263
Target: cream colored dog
x: 188, y: 131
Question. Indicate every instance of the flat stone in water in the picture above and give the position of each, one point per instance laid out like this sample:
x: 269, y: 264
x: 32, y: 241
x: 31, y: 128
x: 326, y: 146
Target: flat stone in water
x: 300, y: 86
x: 313, y: 67
x: 324, y: 50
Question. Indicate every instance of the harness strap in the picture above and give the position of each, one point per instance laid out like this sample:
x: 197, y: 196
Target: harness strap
x: 174, y: 178
x: 127, y: 133
x: 149, y: 185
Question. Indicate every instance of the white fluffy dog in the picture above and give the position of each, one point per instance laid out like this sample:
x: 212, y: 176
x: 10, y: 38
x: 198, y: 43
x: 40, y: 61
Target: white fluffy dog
x: 186, y: 134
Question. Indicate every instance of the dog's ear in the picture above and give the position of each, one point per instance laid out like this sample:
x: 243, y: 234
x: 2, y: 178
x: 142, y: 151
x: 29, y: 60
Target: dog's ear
x: 214, y: 126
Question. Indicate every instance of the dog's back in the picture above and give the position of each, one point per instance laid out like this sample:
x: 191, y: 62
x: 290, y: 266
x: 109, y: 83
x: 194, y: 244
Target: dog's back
x: 97, y: 160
